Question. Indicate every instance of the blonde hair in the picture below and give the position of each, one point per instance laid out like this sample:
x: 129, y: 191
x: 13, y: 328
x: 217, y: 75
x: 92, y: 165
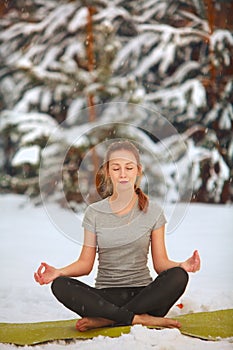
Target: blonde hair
x: 103, y: 181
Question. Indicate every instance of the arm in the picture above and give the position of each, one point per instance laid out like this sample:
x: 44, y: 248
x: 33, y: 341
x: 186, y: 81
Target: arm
x: 160, y: 258
x: 83, y: 266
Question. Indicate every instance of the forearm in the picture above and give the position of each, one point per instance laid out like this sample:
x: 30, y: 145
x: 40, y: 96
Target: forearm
x: 83, y: 265
x: 165, y: 265
x: 76, y: 269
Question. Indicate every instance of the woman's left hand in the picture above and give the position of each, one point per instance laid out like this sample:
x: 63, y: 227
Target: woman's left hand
x: 192, y: 264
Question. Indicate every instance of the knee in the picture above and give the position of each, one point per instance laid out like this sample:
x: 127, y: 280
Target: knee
x: 181, y: 276
x: 58, y: 285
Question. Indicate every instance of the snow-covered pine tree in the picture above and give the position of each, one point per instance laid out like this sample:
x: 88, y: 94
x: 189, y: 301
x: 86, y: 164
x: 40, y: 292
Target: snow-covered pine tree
x: 24, y: 137
x: 184, y: 61
x: 153, y: 52
x: 44, y: 57
x: 45, y: 70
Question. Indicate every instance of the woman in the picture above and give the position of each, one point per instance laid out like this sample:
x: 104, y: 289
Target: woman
x: 121, y: 228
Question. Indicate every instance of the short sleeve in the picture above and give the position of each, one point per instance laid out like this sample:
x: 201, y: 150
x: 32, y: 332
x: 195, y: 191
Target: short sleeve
x: 160, y: 218
x: 89, y: 219
x: 160, y: 222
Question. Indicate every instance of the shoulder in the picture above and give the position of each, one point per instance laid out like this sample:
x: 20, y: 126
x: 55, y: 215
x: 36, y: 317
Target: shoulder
x: 92, y: 212
x: 154, y: 206
x: 156, y: 214
x: 100, y: 206
x: 156, y: 211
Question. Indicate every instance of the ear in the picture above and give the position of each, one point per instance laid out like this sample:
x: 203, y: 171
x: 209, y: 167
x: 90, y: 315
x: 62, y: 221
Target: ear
x: 139, y: 174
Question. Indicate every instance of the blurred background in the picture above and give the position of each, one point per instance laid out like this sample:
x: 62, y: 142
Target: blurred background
x: 76, y: 74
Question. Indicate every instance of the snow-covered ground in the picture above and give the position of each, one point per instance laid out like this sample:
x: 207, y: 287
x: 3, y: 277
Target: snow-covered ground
x: 28, y: 237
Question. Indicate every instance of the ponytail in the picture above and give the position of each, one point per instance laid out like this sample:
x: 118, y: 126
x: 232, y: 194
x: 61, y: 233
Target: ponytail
x: 143, y: 201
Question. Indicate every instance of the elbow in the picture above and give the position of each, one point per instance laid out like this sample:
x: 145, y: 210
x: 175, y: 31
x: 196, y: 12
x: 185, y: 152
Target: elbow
x: 161, y: 264
x: 158, y: 271
x: 158, y: 268
x: 87, y: 272
x: 85, y: 267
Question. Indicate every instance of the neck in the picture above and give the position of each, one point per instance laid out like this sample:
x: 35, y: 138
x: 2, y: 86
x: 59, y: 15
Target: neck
x: 123, y: 201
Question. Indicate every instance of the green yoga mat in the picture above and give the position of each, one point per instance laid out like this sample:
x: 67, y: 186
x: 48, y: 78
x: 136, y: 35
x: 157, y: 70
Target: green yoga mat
x: 213, y: 325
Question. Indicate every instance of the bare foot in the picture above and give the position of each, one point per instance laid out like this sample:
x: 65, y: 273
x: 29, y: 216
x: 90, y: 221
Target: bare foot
x: 92, y: 322
x: 148, y: 320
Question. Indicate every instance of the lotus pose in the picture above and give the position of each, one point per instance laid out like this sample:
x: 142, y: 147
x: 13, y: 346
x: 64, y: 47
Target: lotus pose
x: 121, y: 229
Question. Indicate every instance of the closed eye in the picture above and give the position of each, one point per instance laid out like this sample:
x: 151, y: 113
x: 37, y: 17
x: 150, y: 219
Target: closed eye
x: 119, y: 169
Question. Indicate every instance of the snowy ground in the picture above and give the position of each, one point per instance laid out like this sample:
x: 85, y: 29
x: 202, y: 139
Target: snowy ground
x: 28, y: 237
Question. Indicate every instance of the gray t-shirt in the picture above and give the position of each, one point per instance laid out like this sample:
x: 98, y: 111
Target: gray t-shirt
x: 123, y: 243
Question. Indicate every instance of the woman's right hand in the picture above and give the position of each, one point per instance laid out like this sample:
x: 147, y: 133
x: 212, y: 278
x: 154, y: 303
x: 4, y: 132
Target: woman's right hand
x: 46, y: 274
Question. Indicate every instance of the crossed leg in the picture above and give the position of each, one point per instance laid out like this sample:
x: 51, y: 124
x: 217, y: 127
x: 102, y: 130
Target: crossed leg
x: 147, y: 307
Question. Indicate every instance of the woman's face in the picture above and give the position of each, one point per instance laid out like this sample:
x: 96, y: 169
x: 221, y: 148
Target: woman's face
x: 123, y: 170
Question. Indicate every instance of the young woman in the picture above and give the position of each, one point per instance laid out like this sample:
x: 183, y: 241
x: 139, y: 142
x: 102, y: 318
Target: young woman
x: 121, y: 228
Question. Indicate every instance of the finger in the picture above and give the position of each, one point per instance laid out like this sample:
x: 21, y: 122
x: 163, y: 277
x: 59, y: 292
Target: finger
x: 194, y: 253
x: 44, y: 267
x: 41, y: 281
x: 197, y: 260
x: 38, y: 279
x: 197, y: 256
x: 35, y: 277
x: 40, y: 270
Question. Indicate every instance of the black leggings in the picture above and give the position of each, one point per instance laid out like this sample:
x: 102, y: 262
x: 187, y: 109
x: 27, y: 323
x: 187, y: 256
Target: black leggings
x: 120, y: 304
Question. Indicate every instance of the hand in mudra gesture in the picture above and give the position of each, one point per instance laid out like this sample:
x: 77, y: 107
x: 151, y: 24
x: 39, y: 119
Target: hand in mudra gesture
x: 46, y: 274
x: 192, y: 264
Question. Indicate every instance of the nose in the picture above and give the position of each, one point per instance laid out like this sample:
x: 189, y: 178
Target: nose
x: 122, y: 172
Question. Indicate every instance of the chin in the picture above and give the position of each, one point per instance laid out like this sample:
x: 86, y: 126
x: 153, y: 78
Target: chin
x: 125, y: 187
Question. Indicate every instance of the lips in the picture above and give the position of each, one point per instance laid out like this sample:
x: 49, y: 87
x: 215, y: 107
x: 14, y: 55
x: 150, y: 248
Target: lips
x: 124, y: 182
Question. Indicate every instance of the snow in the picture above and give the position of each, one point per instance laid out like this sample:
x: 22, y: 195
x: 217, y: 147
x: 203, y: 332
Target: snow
x: 31, y: 238
x: 169, y: 57
x: 59, y: 18
x: 164, y: 28
x: 219, y: 37
x: 75, y: 110
x: 30, y: 97
x: 216, y: 181
x: 79, y: 20
x: 211, y: 116
x: 225, y: 119
x: 50, y: 56
x: 111, y: 13
x: 182, y: 72
x: 73, y: 49
x: 46, y: 100
x: 176, y: 97
x: 221, y: 41
x: 9, y: 118
x: 29, y: 155
x: 153, y: 58
x: 134, y: 46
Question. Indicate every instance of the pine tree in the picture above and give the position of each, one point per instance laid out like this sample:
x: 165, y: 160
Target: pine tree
x: 161, y: 54
x: 185, y: 66
x: 45, y: 58
x: 46, y: 69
